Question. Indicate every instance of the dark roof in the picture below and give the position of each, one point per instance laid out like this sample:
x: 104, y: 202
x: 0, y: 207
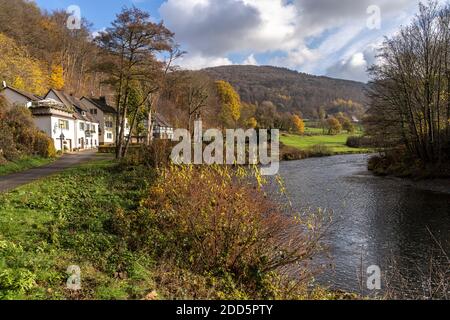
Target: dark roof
x: 101, y: 104
x: 160, y: 121
x: 71, y: 101
x: 25, y: 94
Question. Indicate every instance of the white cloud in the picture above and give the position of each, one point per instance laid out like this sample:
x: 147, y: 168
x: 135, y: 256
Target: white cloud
x: 251, y: 60
x: 317, y: 36
x: 198, y: 61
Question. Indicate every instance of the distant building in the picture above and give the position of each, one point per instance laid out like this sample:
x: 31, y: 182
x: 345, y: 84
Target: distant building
x: 161, y: 127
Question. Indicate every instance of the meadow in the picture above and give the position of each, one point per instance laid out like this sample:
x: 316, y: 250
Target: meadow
x: 316, y: 138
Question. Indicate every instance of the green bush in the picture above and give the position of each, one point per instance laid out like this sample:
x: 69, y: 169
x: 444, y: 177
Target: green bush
x: 19, y: 136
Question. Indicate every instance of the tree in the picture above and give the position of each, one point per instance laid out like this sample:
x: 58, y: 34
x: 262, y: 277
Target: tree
x: 131, y: 44
x: 410, y: 96
x: 334, y: 126
x: 345, y: 122
x: 230, y: 103
x: 299, y: 124
x: 348, y: 126
x: 57, y: 77
x: 252, y: 123
x: 18, y: 68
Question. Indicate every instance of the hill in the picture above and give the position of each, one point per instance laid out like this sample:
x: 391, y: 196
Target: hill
x: 290, y: 90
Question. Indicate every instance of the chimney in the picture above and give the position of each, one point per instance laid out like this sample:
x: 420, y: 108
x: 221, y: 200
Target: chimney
x: 103, y: 99
x: 4, y: 84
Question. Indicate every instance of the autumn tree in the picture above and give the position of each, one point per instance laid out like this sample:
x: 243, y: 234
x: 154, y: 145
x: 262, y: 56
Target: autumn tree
x: 299, y: 124
x: 230, y: 103
x: 57, y: 77
x: 334, y: 126
x: 131, y: 44
x: 18, y: 69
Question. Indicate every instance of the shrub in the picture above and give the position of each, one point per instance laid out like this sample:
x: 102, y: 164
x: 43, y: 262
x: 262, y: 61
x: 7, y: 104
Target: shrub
x: 155, y: 155
x: 319, y: 150
x: 43, y: 145
x: 217, y: 221
x: 359, y: 142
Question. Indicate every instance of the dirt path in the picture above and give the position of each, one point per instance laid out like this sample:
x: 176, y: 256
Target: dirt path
x: 12, y: 181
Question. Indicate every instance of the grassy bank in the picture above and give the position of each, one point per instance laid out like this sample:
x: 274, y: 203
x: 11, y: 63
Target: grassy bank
x: 326, y: 144
x: 23, y: 164
x: 129, y: 239
x: 65, y: 220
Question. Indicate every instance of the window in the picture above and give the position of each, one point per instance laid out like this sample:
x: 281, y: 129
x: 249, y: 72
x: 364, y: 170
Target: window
x: 82, y: 126
x: 93, y: 129
x: 93, y: 111
x: 63, y: 124
x: 109, y: 135
x: 88, y: 127
x: 108, y: 124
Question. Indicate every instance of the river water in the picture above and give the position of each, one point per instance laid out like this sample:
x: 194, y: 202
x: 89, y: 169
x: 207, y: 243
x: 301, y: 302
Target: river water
x: 400, y: 225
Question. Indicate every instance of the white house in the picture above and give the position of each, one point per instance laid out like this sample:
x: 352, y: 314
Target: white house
x: 161, y: 127
x: 86, y: 128
x: 57, y: 121
x: 17, y: 97
x: 106, y: 117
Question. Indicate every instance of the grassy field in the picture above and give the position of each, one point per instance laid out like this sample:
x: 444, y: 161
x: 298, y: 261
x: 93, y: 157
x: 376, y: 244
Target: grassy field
x: 23, y: 164
x: 336, y: 144
x: 314, y: 136
x: 51, y: 224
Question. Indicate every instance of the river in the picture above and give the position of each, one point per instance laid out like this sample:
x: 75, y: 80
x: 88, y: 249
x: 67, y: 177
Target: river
x: 393, y: 223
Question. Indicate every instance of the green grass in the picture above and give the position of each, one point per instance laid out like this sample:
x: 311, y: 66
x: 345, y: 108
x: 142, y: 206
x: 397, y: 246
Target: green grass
x: 64, y: 220
x: 23, y: 164
x: 75, y: 218
x: 336, y: 144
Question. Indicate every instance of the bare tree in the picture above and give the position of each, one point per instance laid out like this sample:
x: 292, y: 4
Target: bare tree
x: 411, y: 88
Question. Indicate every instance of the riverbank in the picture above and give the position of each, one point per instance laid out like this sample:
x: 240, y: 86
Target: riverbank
x: 99, y: 217
x: 393, y: 164
x: 298, y: 147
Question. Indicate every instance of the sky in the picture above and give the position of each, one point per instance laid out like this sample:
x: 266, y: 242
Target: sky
x: 336, y: 38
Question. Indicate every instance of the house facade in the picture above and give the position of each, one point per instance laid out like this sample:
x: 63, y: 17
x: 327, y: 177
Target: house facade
x: 57, y: 121
x: 106, y: 116
x: 161, y: 128
x: 86, y: 127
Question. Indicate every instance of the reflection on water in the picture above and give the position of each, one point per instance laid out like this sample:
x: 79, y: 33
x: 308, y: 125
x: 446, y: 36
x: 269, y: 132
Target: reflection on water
x: 375, y: 219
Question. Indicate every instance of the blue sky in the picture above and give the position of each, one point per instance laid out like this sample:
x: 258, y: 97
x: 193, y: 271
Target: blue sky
x: 322, y: 37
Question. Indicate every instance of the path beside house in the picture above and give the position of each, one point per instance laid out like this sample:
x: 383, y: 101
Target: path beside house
x: 12, y: 181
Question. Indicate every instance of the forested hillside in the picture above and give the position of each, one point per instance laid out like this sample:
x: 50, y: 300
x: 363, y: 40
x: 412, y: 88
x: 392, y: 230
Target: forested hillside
x: 289, y: 90
x: 38, y: 51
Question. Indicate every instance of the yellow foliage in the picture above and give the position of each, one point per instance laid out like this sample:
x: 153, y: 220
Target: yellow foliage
x: 57, y: 77
x: 18, y: 68
x: 252, y: 123
x: 299, y: 124
x: 230, y: 102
